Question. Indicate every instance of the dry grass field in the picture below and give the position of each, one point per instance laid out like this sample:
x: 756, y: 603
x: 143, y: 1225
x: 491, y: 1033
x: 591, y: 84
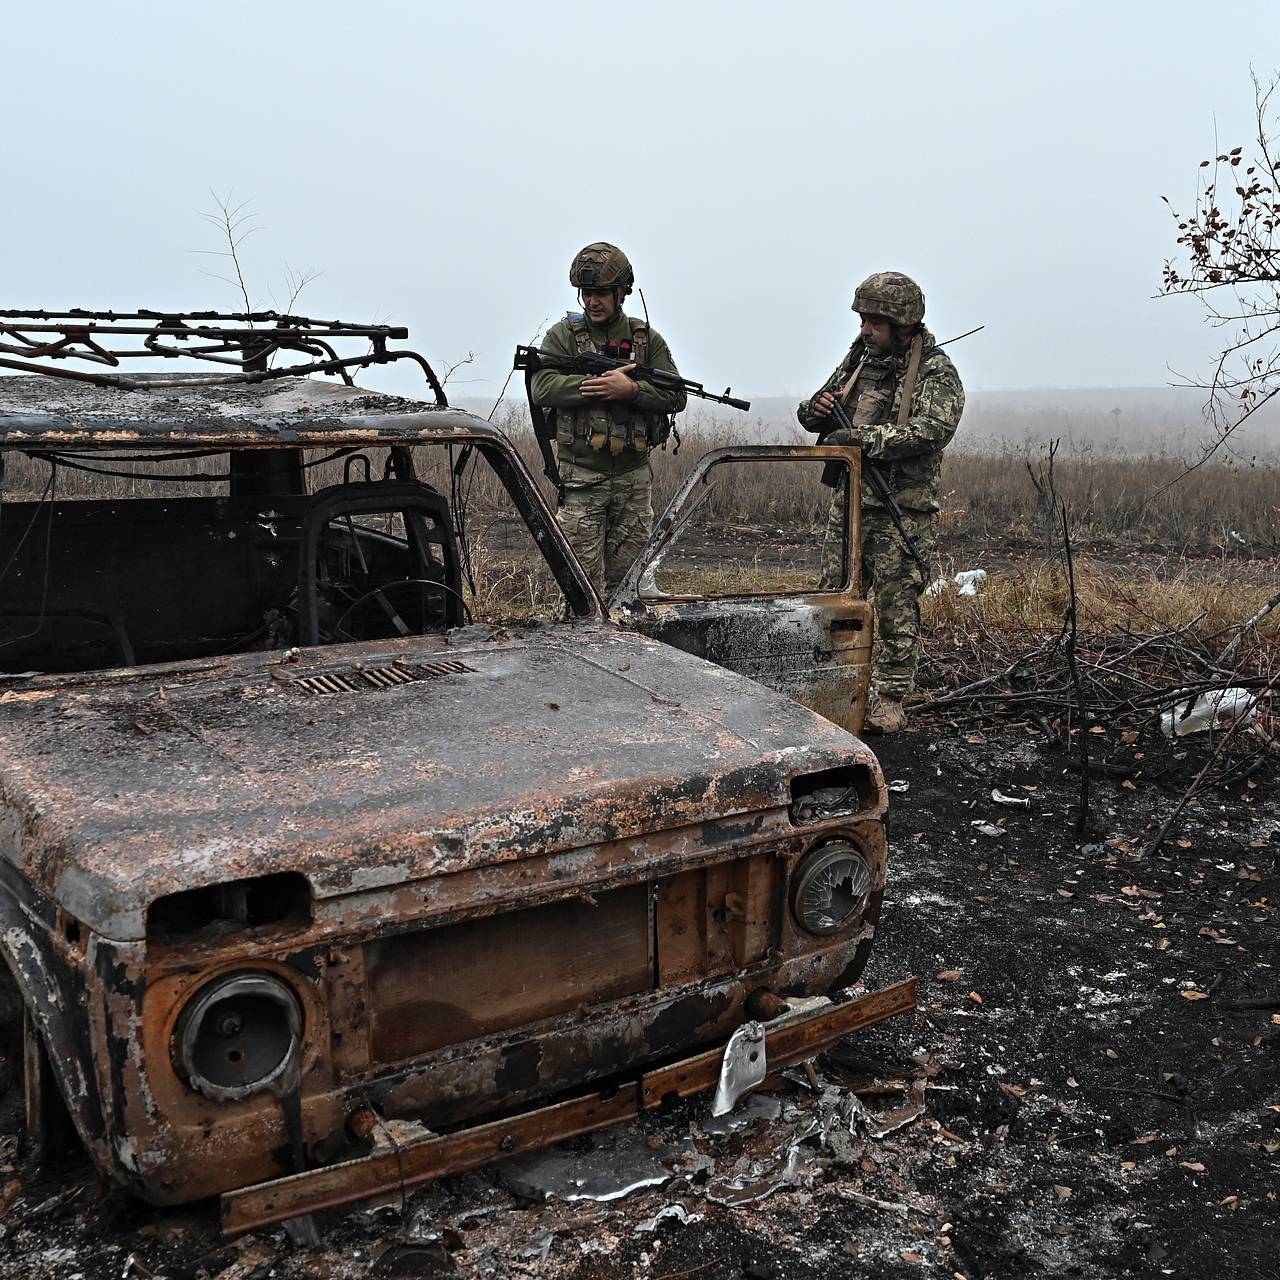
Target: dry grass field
x: 989, y: 495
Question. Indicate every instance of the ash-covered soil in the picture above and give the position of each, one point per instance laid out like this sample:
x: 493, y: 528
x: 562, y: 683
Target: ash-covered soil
x: 1096, y: 1049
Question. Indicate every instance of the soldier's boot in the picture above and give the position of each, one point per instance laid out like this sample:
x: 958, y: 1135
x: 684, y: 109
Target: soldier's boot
x: 884, y: 715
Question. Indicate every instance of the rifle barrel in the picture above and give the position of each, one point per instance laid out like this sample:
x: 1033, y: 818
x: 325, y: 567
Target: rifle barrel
x: 532, y: 358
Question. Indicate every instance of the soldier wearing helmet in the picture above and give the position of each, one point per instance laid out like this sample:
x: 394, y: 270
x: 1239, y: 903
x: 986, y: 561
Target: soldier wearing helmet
x: 904, y: 398
x: 605, y: 425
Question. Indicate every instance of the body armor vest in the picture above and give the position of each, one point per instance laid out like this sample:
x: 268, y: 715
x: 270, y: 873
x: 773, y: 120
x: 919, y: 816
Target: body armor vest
x: 614, y: 425
x: 868, y: 395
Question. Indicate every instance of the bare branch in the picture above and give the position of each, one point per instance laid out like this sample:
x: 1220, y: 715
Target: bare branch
x: 1231, y: 264
x: 229, y: 220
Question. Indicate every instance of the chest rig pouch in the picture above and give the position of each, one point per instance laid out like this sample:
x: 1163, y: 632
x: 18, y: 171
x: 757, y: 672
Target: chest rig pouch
x: 616, y: 425
x: 868, y: 396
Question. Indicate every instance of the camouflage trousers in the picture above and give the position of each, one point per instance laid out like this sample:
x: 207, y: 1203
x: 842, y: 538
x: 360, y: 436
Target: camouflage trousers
x: 607, y: 519
x: 892, y: 579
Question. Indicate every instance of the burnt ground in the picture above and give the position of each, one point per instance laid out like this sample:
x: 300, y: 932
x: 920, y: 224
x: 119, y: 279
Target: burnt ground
x: 1096, y: 1103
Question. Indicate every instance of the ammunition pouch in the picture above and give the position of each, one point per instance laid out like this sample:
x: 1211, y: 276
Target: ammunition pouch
x: 618, y: 426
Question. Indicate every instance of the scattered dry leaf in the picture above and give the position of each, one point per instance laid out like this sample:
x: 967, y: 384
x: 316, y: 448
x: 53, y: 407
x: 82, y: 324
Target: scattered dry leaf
x: 1194, y: 1165
x: 948, y: 975
x: 1193, y: 995
x: 1063, y: 1193
x: 975, y: 997
x: 9, y: 1193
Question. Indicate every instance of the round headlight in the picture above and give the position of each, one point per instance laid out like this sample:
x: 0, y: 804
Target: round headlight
x: 830, y: 889
x: 238, y: 1035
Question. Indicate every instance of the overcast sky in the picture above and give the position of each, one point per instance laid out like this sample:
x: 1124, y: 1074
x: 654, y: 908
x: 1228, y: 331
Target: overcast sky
x: 440, y: 163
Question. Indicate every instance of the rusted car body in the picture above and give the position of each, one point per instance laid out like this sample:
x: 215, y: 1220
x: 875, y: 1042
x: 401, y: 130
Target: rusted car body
x: 279, y: 867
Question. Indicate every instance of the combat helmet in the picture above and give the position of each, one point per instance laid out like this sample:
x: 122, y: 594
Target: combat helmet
x: 601, y: 266
x: 890, y: 294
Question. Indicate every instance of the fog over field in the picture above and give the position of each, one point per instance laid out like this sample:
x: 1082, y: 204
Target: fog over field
x: 1104, y: 421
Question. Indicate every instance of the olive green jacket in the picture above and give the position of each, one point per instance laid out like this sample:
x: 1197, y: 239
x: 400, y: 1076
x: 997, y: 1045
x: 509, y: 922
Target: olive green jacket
x: 560, y: 392
x: 910, y: 456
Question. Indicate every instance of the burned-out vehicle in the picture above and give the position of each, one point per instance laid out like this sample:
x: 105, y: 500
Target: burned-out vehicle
x: 331, y: 862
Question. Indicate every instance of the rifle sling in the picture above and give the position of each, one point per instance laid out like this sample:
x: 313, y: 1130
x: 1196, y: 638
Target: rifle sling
x: 909, y: 382
x: 544, y: 433
x: 847, y: 390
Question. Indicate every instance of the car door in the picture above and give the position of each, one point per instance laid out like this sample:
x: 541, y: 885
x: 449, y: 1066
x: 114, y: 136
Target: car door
x: 733, y: 573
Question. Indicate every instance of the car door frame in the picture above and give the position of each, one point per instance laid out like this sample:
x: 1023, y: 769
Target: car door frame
x: 813, y: 645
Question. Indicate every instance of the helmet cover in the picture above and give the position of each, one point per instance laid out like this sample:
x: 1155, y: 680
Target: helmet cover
x: 892, y: 295
x: 601, y: 266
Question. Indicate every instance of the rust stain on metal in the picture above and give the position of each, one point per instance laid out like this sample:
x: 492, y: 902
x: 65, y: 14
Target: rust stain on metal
x: 223, y: 878
x: 412, y: 1164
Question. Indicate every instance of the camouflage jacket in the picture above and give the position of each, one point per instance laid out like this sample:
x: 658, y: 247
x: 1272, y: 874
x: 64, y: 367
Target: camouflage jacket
x: 578, y: 418
x: 910, y: 456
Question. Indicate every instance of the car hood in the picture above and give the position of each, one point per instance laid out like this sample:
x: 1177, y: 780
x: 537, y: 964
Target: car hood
x: 120, y: 787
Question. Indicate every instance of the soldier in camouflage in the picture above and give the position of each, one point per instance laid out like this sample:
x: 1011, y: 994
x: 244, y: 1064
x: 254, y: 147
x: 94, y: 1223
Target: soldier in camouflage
x: 904, y: 398
x: 606, y: 425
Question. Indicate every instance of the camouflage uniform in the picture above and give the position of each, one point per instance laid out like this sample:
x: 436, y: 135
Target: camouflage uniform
x: 602, y: 447
x: 910, y: 458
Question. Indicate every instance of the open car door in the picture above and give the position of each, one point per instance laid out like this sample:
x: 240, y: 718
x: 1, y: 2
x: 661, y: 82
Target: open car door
x: 734, y: 573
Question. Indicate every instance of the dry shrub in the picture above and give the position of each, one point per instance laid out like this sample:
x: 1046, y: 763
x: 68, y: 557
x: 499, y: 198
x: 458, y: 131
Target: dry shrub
x: 991, y: 496
x: 1207, y: 601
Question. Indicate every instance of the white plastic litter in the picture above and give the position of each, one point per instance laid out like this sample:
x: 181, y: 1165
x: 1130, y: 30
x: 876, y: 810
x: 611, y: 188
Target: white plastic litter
x: 965, y: 582
x: 988, y: 829
x: 1014, y: 802
x: 1218, y: 706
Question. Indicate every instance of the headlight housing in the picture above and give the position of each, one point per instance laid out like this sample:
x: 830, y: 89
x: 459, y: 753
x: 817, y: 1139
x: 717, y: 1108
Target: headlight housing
x: 830, y: 888
x: 239, y: 1035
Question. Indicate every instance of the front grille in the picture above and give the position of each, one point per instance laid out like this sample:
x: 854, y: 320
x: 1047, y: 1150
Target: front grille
x: 444, y: 986
x: 356, y: 678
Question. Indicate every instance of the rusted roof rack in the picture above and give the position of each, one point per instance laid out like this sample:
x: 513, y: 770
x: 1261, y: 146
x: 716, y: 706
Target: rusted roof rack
x: 246, y: 342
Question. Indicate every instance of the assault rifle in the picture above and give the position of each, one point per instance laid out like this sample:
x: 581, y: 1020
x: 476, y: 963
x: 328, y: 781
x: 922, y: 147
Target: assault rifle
x: 879, y: 485
x: 530, y: 359
x: 595, y: 363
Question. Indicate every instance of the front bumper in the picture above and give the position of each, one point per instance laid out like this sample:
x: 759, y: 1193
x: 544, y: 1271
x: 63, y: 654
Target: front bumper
x: 789, y: 1039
